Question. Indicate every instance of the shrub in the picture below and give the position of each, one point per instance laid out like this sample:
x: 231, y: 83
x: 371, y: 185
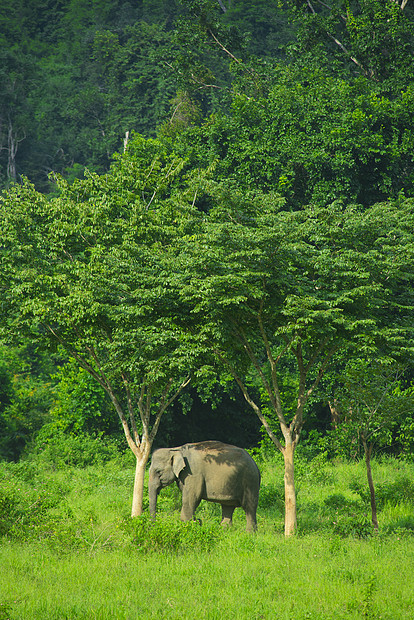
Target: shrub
x: 8, y: 510
x: 403, y: 524
x: 61, y: 450
x: 357, y: 526
x: 346, y: 516
x: 317, y: 470
x: 272, y: 496
x: 169, y: 534
x: 399, y: 490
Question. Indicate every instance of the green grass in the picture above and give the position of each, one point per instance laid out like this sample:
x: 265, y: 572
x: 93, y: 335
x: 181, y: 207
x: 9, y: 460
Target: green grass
x: 70, y: 551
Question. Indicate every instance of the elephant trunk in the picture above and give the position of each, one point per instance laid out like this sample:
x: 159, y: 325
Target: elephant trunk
x: 154, y: 486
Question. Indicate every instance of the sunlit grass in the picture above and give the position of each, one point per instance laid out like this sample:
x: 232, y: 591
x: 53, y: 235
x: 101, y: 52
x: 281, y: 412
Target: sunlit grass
x: 81, y: 557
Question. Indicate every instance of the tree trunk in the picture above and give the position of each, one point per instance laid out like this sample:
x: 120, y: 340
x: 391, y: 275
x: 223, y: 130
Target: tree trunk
x: 290, y: 493
x: 335, y: 415
x: 138, y: 495
x: 368, y: 453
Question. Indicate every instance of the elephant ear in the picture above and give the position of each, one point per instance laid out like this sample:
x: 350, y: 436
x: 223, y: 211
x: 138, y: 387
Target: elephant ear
x: 178, y: 463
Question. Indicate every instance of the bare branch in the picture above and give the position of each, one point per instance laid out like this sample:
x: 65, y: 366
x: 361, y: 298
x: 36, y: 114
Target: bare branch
x: 250, y: 400
x: 274, y: 396
x: 321, y: 371
x: 331, y: 36
x: 224, y: 48
x: 131, y: 411
x: 402, y: 5
x: 222, y: 6
x: 166, y: 403
x: 273, y: 362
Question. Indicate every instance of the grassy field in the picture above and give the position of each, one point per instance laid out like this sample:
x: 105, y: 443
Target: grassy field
x: 69, y: 551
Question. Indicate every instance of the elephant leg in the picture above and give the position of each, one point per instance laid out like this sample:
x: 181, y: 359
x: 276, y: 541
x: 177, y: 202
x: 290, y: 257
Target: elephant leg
x: 189, y: 506
x: 249, y: 505
x: 227, y: 515
x: 251, y: 523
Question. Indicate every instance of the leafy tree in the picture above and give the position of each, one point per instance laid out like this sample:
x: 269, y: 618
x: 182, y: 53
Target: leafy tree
x: 375, y: 404
x: 373, y: 38
x: 265, y: 26
x: 274, y: 289
x: 312, y: 138
x: 89, y: 271
x: 17, y: 73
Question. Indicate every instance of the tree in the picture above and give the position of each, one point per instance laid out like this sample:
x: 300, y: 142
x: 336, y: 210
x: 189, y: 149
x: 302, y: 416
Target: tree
x: 88, y: 270
x: 273, y: 289
x: 375, y: 403
x: 373, y: 38
x: 313, y: 138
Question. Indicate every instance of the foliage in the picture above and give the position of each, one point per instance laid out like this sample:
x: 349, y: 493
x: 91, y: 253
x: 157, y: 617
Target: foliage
x: 374, y: 401
x: 274, y: 290
x: 392, y: 492
x: 374, y: 38
x: 313, y: 138
x: 83, y: 74
x: 243, y: 271
x: 167, y: 534
x: 346, y: 517
x: 76, y: 77
x: 271, y: 497
x: 57, y: 450
x: 81, y: 405
x: 88, y: 270
x: 26, y: 395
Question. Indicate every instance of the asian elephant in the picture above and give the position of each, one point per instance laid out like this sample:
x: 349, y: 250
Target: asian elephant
x: 209, y: 470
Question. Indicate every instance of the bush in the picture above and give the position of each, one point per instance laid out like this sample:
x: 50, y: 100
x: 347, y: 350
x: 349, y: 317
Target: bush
x: 399, y: 490
x: 169, y: 534
x: 357, y: 526
x: 8, y: 510
x: 402, y: 526
x: 34, y: 507
x: 346, y: 517
x: 61, y: 450
x: 317, y: 470
x: 272, y: 496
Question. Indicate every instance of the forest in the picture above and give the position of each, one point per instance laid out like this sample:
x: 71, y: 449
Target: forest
x: 207, y: 232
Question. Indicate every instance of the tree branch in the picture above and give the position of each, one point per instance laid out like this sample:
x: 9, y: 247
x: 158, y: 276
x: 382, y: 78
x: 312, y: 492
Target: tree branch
x: 273, y: 362
x: 165, y: 404
x: 250, y: 400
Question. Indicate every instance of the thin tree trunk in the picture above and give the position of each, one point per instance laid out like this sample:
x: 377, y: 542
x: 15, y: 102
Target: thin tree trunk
x: 12, y: 150
x: 368, y: 454
x: 335, y: 415
x: 290, y: 493
x: 138, y: 495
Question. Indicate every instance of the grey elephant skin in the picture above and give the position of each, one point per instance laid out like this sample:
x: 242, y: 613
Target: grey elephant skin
x: 210, y: 470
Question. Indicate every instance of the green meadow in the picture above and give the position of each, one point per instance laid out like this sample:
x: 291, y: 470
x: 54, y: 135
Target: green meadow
x: 68, y: 549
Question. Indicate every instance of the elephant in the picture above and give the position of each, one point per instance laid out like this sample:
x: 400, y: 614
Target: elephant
x: 210, y: 470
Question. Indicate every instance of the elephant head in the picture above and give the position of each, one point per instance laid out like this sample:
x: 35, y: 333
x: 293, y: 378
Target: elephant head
x: 166, y: 465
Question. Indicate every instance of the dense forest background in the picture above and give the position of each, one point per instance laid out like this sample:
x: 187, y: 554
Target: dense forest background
x: 77, y: 75
x: 287, y: 97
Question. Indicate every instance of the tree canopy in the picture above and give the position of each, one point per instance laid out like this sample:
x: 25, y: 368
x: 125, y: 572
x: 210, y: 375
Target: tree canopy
x: 86, y: 271
x: 274, y: 289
